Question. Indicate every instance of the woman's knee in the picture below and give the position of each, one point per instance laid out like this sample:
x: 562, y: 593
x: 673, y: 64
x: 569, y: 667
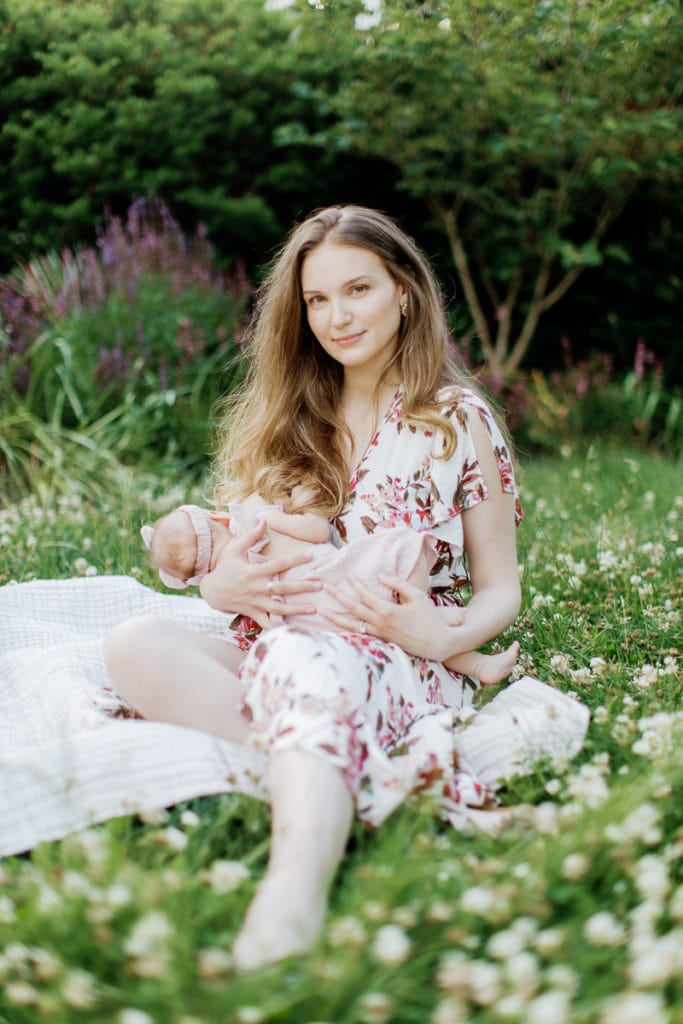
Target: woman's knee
x: 130, y: 644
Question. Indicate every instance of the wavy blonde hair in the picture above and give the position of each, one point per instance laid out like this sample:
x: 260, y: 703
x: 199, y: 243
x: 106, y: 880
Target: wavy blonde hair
x: 284, y: 426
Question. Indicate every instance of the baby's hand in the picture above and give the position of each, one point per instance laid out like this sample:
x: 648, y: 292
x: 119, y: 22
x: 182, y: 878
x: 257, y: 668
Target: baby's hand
x: 453, y: 615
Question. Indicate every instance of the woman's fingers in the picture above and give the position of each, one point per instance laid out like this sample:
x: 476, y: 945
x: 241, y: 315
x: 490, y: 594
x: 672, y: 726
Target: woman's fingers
x: 402, y: 587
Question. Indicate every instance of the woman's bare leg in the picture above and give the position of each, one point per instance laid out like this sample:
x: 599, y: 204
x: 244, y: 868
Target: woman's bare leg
x: 170, y: 673
x: 312, y: 810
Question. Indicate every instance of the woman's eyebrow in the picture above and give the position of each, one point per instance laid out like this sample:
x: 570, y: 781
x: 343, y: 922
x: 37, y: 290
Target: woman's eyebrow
x: 352, y: 280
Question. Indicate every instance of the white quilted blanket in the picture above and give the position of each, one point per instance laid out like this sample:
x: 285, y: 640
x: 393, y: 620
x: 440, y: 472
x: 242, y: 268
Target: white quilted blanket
x: 65, y: 762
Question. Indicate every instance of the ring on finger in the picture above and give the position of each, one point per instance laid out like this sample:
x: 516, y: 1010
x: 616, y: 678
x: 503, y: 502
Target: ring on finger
x: 270, y: 587
x: 363, y: 627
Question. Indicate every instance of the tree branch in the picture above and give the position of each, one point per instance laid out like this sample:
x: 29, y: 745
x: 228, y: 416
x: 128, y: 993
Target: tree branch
x: 448, y: 217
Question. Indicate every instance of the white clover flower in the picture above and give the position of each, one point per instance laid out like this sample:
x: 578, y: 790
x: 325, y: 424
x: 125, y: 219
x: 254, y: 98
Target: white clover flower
x: 560, y: 662
x: 391, y: 945
x: 548, y: 1008
x: 549, y: 941
x: 563, y: 977
x: 587, y: 786
x: 661, y: 961
x: 78, y: 990
x: 375, y: 1008
x: 522, y: 973
x: 603, y: 929
x: 635, y: 1008
x: 225, y: 875
x: 46, y: 965
x: 347, y: 931
x: 153, y: 815
x: 676, y: 904
x: 477, y: 900
x: 132, y: 1016
x: 511, y: 1007
x: 190, y: 819
x: 439, y: 912
x: 150, y: 935
x: 7, y: 910
x: 575, y: 866
x: 21, y: 993
x: 449, y: 1011
x: 249, y: 1015
x: 652, y: 877
x: 172, y: 838
x: 453, y: 973
x: 212, y: 962
x: 646, y: 676
x: 484, y: 982
x: 504, y: 944
x: 641, y: 822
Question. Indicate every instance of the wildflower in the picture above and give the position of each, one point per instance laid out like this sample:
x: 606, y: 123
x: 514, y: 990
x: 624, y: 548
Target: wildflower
x: 601, y: 715
x: 652, y: 877
x: 449, y: 1011
x: 46, y: 965
x: 641, y: 825
x: 549, y: 941
x: 676, y: 904
x: 149, y: 935
x: 347, y: 931
x: 588, y: 786
x: 391, y: 945
x: 190, y: 819
x: 635, y: 1008
x: 563, y: 977
x: 661, y: 961
x: 225, y: 875
x: 575, y: 866
x: 375, y: 1008
x: 249, y: 1015
x: 646, y: 676
x: 453, y: 973
x: 603, y: 929
x: 78, y: 990
x: 153, y: 815
x: 522, y: 973
x: 172, y: 838
x: 7, y: 910
x: 504, y: 944
x: 484, y: 982
x: 548, y: 1008
x: 131, y: 1016
x: 211, y: 963
x: 477, y: 900
x: 21, y: 993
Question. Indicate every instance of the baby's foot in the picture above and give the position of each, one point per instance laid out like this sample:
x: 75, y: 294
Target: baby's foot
x: 284, y: 919
x: 496, y: 820
x: 496, y: 667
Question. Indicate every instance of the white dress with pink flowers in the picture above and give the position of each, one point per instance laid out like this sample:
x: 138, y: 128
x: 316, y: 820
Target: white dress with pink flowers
x: 388, y: 720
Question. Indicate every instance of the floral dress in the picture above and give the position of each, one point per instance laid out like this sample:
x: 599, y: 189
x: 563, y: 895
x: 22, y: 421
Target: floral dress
x: 385, y: 718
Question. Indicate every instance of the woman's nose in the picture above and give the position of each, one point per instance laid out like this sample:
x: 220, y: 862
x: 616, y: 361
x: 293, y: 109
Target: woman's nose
x: 340, y: 312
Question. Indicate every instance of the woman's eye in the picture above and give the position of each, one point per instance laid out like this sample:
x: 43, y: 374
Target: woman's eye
x: 359, y: 289
x: 316, y: 300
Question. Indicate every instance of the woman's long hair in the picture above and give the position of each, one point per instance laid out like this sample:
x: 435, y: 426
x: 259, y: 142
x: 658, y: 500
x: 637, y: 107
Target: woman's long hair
x: 283, y: 427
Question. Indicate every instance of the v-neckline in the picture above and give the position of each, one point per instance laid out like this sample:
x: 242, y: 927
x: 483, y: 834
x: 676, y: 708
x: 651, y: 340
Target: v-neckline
x: 371, y: 443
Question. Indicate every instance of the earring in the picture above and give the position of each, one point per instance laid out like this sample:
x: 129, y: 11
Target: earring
x: 403, y: 305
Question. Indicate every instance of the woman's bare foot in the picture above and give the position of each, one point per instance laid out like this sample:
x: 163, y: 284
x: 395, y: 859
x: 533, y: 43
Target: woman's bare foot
x: 284, y: 918
x: 494, y: 668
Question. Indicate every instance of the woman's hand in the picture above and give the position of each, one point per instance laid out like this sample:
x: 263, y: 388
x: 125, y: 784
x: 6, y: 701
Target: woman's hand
x: 416, y: 624
x: 237, y: 585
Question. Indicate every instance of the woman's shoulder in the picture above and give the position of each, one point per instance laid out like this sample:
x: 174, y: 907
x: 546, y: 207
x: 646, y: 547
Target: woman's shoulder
x: 456, y: 402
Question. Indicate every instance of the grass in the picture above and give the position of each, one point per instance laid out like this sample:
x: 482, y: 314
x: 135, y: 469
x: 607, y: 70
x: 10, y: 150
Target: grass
x: 580, y: 922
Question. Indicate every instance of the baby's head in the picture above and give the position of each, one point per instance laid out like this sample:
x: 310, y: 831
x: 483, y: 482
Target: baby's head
x: 183, y: 545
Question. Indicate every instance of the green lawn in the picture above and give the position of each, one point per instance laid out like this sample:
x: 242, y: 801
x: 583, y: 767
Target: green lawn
x: 130, y: 922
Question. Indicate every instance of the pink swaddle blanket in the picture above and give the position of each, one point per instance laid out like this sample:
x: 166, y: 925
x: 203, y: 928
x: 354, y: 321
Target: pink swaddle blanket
x: 391, y: 551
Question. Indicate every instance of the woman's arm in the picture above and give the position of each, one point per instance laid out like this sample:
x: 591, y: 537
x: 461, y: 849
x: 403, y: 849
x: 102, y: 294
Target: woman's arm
x: 306, y: 526
x: 415, y: 624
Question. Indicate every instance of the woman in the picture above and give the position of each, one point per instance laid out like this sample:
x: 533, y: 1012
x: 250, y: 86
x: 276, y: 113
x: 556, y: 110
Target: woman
x: 351, y: 388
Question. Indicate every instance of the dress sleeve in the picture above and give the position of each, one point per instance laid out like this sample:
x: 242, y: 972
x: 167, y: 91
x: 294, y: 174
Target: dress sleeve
x: 457, y: 483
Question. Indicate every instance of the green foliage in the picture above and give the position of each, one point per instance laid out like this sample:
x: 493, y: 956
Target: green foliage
x: 492, y: 927
x: 525, y: 128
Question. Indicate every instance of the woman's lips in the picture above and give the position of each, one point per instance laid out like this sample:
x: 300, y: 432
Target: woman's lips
x: 348, y: 339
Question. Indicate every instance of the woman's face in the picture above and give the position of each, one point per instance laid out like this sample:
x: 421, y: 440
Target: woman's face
x: 352, y: 305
